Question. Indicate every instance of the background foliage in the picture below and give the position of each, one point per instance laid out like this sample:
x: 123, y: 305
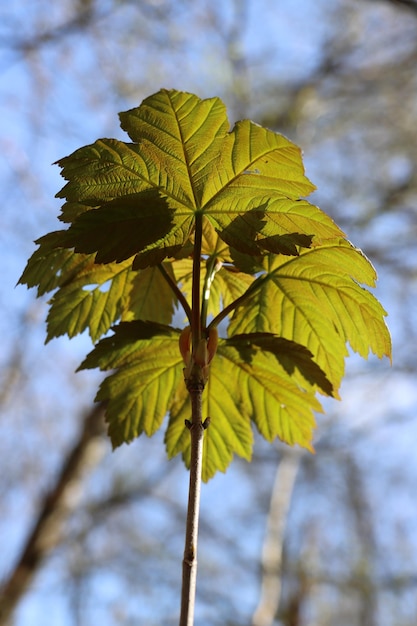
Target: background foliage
x: 341, y: 82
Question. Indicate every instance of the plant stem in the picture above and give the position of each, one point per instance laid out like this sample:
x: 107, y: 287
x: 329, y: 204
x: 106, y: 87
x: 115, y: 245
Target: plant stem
x: 195, y: 293
x: 189, y: 564
x: 195, y: 385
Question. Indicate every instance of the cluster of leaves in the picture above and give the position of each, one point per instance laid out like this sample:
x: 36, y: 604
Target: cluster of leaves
x: 277, y: 273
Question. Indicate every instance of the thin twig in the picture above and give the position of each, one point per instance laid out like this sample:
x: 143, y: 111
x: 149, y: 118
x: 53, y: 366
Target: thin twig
x: 177, y: 291
x: 257, y: 284
x: 189, y: 564
x: 212, y: 268
x: 195, y: 290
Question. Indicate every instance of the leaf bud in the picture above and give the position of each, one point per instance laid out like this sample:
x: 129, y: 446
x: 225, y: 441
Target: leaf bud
x: 185, y: 345
x: 212, y: 342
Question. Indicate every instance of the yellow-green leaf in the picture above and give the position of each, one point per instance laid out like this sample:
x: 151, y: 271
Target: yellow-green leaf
x: 271, y: 397
x: 148, y: 370
x: 50, y: 266
x: 180, y: 140
x: 229, y: 432
x: 296, y: 360
x: 223, y: 211
x: 144, y: 195
x: 94, y: 296
x: 317, y: 300
x: 242, y: 389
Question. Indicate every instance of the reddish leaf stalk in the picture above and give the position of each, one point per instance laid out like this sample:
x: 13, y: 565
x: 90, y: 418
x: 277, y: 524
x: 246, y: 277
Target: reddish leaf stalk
x: 176, y: 290
x: 196, y: 296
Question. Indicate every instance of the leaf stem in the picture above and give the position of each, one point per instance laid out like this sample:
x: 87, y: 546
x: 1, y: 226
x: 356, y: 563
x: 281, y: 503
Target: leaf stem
x: 195, y: 296
x: 233, y: 305
x: 209, y: 277
x: 177, y: 291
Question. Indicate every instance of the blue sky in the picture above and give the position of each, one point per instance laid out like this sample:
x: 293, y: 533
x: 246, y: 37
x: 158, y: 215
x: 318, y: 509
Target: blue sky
x: 69, y: 94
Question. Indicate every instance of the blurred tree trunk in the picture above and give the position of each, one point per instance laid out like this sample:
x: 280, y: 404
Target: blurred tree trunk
x: 282, y: 491
x: 57, y: 506
x: 364, y: 527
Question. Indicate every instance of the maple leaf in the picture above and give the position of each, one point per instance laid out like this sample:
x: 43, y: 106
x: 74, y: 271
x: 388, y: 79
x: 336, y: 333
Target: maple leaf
x: 251, y: 379
x: 248, y: 385
x: 148, y: 368
x: 95, y: 296
x: 317, y: 300
x: 144, y: 196
x: 190, y: 213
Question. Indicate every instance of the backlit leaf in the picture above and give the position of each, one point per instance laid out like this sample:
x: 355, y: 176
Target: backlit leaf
x: 93, y: 300
x: 94, y: 296
x: 228, y: 285
x: 145, y: 195
x: 180, y: 139
x: 229, y: 432
x: 243, y: 388
x: 267, y: 394
x: 275, y: 225
x: 317, y: 300
x: 294, y: 358
x: 273, y: 264
x: 150, y: 297
x: 51, y: 266
x: 122, y: 227
x: 148, y: 370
